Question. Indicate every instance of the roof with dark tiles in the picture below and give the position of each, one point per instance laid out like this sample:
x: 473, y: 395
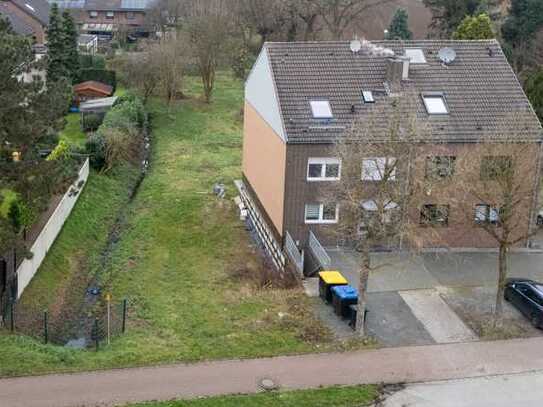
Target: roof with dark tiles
x: 480, y: 88
x: 19, y: 25
x: 38, y: 9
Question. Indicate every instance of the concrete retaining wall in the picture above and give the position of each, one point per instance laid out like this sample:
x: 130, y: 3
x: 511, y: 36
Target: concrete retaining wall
x: 49, y: 233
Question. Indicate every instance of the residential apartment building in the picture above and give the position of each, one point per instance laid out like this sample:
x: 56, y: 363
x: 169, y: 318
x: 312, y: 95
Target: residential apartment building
x: 302, y: 97
x: 104, y: 17
x: 27, y: 17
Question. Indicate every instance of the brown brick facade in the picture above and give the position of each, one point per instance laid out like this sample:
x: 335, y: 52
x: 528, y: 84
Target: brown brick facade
x: 461, y: 232
x: 129, y: 19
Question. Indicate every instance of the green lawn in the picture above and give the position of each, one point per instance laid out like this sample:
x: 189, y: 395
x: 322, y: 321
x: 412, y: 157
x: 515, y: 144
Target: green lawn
x: 72, y: 133
x: 356, y: 396
x: 7, y: 196
x: 175, y: 258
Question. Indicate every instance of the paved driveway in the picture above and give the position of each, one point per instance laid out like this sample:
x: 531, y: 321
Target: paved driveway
x: 436, y: 297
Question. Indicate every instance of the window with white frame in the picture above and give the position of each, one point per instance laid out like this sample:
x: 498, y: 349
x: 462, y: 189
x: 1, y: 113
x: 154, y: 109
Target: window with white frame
x: 435, y: 103
x: 321, y: 109
x: 486, y: 214
x: 321, y: 213
x: 379, y: 168
x: 93, y: 14
x: 110, y: 15
x: 323, y: 169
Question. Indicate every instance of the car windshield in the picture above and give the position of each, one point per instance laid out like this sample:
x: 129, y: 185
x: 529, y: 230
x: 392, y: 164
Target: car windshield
x: 539, y: 289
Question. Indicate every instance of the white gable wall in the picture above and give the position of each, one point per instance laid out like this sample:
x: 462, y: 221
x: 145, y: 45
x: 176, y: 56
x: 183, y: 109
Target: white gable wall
x: 260, y: 92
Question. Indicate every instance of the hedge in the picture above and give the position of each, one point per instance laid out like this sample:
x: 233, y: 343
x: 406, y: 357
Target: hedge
x: 100, y: 75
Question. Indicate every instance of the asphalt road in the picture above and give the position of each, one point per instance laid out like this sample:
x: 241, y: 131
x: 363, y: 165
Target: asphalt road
x: 522, y: 390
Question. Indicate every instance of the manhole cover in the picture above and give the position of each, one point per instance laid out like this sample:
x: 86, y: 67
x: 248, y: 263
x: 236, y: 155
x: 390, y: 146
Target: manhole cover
x: 268, y: 384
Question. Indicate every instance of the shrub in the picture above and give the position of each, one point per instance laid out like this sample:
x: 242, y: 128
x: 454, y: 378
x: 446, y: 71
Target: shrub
x: 100, y: 75
x: 92, y: 61
x: 61, y: 151
x: 96, y: 148
x: 119, y: 146
x: 127, y: 114
x: 92, y: 121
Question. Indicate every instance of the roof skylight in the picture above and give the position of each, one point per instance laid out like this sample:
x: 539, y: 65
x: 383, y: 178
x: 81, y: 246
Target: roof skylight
x: 435, y: 103
x: 30, y: 7
x: 367, y: 95
x: 416, y: 55
x: 321, y: 109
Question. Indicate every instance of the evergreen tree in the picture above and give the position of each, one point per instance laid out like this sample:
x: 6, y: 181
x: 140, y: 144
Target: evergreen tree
x: 519, y: 32
x: 71, y: 52
x: 399, y: 26
x: 534, y: 90
x: 28, y: 115
x: 56, y: 67
x: 448, y: 14
x: 475, y: 28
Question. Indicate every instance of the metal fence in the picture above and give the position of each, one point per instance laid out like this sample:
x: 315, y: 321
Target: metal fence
x: 319, y: 251
x: 295, y: 255
x: 270, y: 244
x: 104, y: 324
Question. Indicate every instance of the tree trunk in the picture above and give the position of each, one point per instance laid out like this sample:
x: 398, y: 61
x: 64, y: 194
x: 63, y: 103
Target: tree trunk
x: 362, y: 291
x: 502, y: 276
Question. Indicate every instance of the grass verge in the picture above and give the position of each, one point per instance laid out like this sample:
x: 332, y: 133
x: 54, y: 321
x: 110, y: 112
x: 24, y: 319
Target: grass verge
x: 326, y: 397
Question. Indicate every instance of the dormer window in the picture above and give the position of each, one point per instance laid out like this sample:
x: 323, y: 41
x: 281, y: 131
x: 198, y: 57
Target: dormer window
x: 367, y: 96
x: 416, y: 55
x: 321, y: 109
x: 435, y: 103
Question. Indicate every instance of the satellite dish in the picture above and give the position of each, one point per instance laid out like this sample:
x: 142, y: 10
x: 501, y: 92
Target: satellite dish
x: 447, y: 55
x: 356, y: 46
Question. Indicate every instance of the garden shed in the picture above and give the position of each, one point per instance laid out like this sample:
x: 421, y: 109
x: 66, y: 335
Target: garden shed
x: 93, y: 111
x: 90, y: 90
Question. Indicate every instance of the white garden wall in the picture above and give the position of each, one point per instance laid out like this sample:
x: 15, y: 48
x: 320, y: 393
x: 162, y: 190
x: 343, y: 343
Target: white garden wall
x: 49, y: 233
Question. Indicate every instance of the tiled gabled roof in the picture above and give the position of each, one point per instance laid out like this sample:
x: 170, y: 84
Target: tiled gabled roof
x: 39, y: 9
x: 479, y: 86
x: 100, y: 87
x: 19, y: 25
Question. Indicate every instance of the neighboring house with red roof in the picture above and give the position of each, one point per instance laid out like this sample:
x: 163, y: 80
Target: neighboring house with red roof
x: 27, y: 17
x: 91, y: 90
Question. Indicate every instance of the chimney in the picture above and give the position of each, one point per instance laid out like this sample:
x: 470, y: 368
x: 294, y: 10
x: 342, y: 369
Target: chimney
x: 397, y: 71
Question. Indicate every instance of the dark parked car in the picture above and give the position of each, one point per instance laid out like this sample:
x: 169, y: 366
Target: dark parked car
x: 527, y: 297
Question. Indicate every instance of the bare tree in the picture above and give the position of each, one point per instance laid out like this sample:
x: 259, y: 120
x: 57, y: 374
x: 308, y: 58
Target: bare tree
x: 338, y: 15
x: 140, y: 71
x: 498, y: 190
x: 208, y: 24
x: 263, y: 16
x: 304, y: 13
x: 377, y: 190
x: 171, y: 56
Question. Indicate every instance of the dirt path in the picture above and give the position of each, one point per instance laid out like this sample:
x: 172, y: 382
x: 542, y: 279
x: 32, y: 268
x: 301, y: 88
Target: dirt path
x: 394, y: 365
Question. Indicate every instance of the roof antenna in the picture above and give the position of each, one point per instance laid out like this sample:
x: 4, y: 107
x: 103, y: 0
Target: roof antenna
x: 356, y: 45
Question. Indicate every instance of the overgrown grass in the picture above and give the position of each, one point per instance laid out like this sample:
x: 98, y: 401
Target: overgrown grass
x: 326, y: 397
x: 173, y: 262
x: 72, y: 132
